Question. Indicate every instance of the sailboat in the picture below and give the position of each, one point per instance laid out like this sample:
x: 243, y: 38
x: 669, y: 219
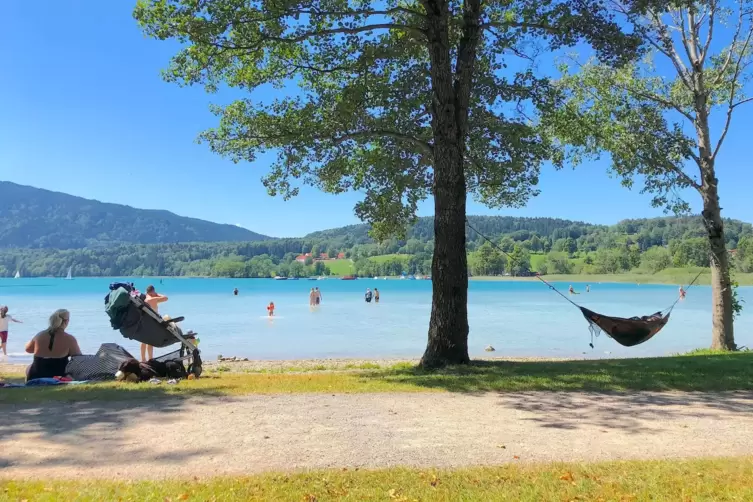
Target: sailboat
x: 18, y: 274
x: 69, y: 277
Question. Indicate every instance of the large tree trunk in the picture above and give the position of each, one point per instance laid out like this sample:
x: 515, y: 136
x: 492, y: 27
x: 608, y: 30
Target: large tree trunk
x: 722, y: 331
x: 448, y: 325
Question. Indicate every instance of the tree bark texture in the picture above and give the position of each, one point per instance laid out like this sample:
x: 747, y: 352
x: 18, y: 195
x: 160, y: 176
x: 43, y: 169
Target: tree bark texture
x: 448, y: 324
x: 722, y: 322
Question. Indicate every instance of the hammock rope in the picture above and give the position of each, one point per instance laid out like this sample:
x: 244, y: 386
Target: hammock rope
x: 593, y: 318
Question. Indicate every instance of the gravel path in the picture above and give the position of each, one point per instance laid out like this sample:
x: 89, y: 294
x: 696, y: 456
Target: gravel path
x: 233, y: 435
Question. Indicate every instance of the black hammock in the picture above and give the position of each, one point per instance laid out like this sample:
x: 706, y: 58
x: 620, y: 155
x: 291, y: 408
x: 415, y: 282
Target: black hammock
x: 628, y: 332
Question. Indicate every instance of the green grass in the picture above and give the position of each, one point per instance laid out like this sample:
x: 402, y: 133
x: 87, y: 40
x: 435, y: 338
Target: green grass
x: 706, y: 371
x: 717, y: 480
x: 340, y: 267
x: 675, y: 276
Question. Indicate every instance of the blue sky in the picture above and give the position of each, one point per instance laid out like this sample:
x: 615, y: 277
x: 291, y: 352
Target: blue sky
x: 84, y: 111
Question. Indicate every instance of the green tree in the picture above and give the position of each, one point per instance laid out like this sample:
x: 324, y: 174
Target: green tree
x: 661, y: 127
x: 690, y: 252
x: 487, y: 261
x: 402, y: 100
x: 506, y: 244
x: 332, y: 252
x: 655, y: 259
x: 519, y: 261
x: 308, y: 261
x: 558, y: 263
x: 319, y: 268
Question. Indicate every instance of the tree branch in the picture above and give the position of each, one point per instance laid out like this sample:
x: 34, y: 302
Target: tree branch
x: 742, y: 102
x: 425, y: 146
x: 302, y: 37
x: 667, y: 48
x: 710, y: 34
x: 731, y: 103
x: 687, y: 41
x: 732, y: 45
x: 535, y: 26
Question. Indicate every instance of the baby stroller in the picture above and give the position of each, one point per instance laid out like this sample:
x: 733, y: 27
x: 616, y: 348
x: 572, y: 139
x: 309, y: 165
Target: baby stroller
x: 136, y: 320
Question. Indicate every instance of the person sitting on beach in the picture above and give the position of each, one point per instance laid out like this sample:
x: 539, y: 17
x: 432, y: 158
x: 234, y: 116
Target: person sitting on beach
x: 4, y: 318
x: 52, y: 348
x: 271, y: 309
x: 153, y: 299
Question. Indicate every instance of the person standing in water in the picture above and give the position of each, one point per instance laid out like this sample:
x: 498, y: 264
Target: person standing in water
x: 153, y: 299
x: 4, y: 319
x: 368, y: 295
x: 376, y: 295
x: 271, y: 309
x: 318, y: 297
x: 588, y: 288
x: 682, y: 293
x: 312, y: 297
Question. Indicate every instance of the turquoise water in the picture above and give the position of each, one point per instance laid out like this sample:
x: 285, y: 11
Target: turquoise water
x: 517, y: 318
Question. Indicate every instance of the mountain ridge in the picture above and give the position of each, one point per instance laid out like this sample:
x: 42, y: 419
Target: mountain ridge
x: 33, y: 217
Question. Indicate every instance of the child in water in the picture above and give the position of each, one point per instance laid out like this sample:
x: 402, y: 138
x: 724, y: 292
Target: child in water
x: 271, y: 309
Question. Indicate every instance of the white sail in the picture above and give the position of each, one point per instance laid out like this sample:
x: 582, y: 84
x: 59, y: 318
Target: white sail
x: 18, y: 274
x: 69, y: 276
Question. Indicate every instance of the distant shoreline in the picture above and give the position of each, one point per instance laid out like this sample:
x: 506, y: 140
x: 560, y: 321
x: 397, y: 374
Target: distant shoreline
x: 670, y: 277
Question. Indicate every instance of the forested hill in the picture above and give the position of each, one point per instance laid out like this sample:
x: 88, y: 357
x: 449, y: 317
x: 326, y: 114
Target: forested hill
x: 494, y: 226
x: 36, y: 218
x: 645, y: 233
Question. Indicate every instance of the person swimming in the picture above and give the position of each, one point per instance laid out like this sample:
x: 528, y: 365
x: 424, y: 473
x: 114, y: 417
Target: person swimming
x: 271, y: 309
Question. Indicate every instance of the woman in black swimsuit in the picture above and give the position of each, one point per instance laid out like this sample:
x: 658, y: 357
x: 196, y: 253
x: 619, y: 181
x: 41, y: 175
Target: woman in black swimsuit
x: 52, y: 348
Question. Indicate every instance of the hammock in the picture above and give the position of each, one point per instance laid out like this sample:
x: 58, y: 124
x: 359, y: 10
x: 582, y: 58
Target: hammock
x: 628, y: 332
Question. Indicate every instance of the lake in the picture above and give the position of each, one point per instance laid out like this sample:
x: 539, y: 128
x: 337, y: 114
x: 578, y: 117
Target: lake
x: 520, y: 318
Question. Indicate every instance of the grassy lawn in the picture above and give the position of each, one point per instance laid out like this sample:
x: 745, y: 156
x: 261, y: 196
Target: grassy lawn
x: 697, y: 480
x: 340, y: 267
x: 702, y: 371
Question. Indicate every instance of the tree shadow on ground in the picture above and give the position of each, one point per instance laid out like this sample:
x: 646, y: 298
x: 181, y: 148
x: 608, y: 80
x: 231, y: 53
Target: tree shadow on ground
x: 97, y: 428
x: 632, y: 413
x: 681, y: 373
